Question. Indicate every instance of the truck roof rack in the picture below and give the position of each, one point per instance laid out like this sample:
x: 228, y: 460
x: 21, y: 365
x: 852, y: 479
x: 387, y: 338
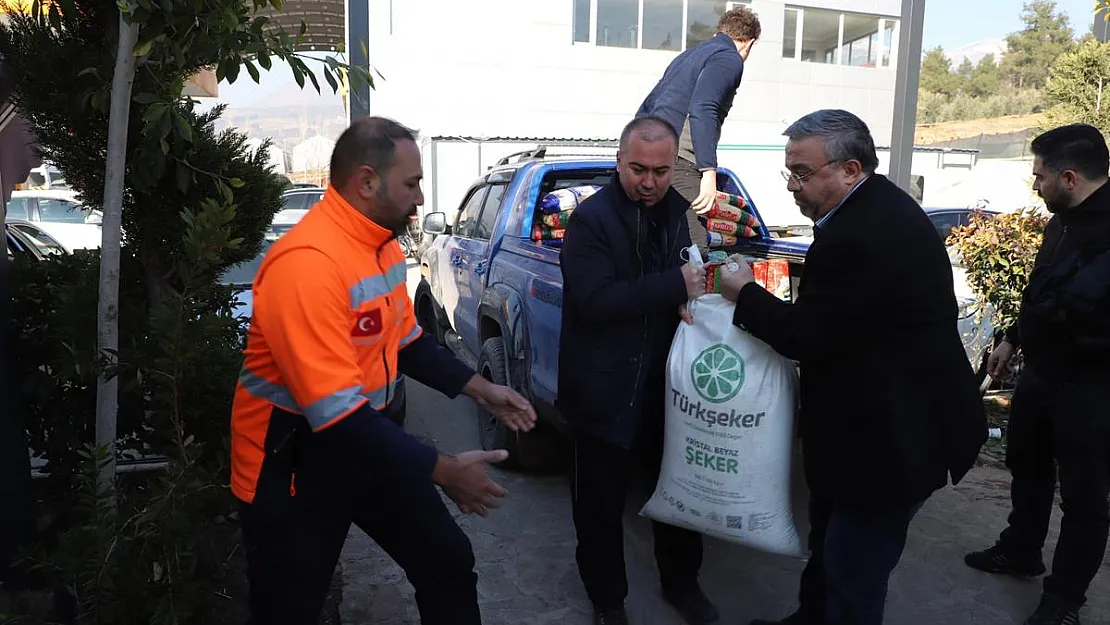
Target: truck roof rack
x: 523, y: 155
x: 544, y: 151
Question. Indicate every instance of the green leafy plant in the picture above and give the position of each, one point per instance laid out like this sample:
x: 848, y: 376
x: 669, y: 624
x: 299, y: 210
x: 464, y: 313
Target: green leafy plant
x: 163, y: 554
x: 176, y: 158
x: 998, y: 252
x: 1078, y: 88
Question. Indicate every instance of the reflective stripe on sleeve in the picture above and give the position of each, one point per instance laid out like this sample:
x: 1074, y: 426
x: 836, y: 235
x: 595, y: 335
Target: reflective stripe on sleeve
x: 373, y: 287
x: 412, y: 336
x: 322, y: 411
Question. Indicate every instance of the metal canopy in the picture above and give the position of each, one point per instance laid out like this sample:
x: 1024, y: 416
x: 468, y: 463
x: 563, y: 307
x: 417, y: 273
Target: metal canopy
x: 325, y: 21
x: 332, y: 24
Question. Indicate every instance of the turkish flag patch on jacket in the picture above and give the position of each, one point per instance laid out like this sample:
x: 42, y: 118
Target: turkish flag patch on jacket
x: 369, y: 323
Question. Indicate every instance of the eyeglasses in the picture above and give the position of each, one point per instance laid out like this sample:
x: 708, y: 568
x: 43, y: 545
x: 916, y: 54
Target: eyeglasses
x: 789, y: 176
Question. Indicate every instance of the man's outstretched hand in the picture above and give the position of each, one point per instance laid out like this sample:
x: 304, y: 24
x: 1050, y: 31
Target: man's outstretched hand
x: 503, y: 402
x: 707, y: 194
x: 466, y: 482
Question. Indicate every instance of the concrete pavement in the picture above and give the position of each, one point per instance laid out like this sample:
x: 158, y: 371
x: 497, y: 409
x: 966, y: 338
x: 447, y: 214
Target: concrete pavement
x: 527, y: 575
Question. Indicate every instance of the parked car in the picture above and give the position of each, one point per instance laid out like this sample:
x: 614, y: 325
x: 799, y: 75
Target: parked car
x: 978, y: 334
x: 28, y: 239
x: 302, y: 197
x: 494, y: 296
x: 59, y: 213
x: 20, y: 245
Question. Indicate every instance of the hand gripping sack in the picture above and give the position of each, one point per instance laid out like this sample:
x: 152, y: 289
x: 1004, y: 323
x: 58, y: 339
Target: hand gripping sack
x: 728, y: 448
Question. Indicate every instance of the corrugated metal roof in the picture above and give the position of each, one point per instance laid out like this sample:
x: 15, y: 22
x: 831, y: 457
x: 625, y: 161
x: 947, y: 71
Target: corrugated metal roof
x: 570, y: 140
x: 613, y: 142
x: 325, y: 21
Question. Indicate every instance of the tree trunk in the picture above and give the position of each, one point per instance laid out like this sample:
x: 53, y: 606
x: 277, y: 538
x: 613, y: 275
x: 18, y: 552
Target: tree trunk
x: 107, y: 393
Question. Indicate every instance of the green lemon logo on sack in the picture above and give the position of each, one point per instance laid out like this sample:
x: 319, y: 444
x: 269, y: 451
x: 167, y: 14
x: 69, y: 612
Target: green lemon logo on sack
x: 718, y: 373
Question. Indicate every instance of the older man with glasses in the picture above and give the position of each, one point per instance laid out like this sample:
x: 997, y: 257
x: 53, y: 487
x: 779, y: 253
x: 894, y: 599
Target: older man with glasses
x: 889, y: 404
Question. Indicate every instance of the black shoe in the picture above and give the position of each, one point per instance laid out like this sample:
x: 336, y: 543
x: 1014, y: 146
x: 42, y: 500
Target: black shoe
x: 610, y: 616
x: 796, y: 618
x: 1053, y: 611
x: 694, y: 607
x: 1001, y: 561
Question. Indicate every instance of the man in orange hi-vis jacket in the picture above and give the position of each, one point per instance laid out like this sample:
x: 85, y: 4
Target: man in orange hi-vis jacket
x: 312, y: 452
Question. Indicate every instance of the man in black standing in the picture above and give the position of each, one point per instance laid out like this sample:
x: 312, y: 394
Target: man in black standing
x: 1059, y: 420
x: 625, y: 287
x: 889, y: 402
x: 695, y: 95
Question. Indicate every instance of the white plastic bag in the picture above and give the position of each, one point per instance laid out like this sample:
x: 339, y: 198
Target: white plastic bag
x: 728, y: 450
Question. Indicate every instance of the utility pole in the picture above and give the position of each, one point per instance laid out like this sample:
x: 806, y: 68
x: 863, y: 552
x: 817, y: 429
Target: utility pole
x: 358, y: 34
x: 905, y: 92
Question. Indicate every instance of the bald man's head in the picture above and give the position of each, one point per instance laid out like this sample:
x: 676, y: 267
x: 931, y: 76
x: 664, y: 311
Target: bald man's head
x: 650, y: 129
x: 371, y: 142
x: 375, y: 166
x: 646, y: 159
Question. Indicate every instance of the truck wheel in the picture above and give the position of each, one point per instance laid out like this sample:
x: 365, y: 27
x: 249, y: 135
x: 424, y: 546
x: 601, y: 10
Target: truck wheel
x: 424, y: 307
x: 532, y: 451
x: 493, y: 433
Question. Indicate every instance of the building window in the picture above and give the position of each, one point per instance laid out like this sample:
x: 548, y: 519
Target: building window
x: 701, y: 20
x: 662, y: 25
x: 618, y: 23
x: 582, y: 20
x: 670, y: 25
x: 838, y: 38
x: 790, y: 38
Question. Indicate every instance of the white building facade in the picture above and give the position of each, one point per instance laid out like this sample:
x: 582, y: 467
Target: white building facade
x: 580, y: 69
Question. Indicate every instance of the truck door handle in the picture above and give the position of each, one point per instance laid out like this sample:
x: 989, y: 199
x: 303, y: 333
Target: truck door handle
x: 456, y: 260
x: 480, y: 268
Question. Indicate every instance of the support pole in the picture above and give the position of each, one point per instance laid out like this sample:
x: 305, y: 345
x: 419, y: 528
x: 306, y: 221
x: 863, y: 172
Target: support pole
x: 905, y: 92
x: 358, y: 35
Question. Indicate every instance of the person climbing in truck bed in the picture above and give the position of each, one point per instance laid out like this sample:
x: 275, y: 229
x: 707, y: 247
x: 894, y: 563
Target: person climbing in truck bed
x: 694, y: 96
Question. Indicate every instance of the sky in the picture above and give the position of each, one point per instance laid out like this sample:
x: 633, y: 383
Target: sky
x: 956, y: 23
x: 952, y: 24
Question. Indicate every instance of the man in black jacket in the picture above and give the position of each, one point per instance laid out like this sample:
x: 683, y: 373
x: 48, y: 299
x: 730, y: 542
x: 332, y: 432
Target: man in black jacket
x: 695, y: 96
x: 625, y: 287
x: 1059, y: 412
x: 889, y: 402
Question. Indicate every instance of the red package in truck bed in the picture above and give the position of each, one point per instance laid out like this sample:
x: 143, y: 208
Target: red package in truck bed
x: 774, y: 276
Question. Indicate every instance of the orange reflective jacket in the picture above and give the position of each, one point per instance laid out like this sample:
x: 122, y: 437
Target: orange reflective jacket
x: 331, y: 311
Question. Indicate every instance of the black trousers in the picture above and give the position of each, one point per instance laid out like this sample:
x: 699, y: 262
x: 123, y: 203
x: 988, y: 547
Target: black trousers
x: 852, y: 552
x: 293, y: 545
x: 1060, y: 427
x: 687, y: 181
x: 599, y: 484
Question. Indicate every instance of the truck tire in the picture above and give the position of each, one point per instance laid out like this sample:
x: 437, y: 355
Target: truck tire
x: 424, y: 307
x: 532, y: 451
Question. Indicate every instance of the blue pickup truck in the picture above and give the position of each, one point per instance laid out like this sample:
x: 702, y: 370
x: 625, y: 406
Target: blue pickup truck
x: 494, y: 296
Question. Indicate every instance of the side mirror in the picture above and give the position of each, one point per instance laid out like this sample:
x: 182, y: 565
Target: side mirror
x: 95, y: 217
x: 435, y: 223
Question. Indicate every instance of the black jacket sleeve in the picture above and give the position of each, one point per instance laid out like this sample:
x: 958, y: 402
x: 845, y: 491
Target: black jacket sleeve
x: 835, y: 307
x: 591, y: 287
x: 433, y: 365
x: 717, y: 82
x: 376, y: 446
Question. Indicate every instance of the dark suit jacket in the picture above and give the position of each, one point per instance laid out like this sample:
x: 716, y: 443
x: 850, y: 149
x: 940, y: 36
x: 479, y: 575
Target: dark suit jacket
x: 890, y: 406
x: 620, y: 311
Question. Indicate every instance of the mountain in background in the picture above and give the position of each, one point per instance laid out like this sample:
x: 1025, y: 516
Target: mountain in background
x: 285, y: 113
x: 292, y: 96
x: 976, y: 50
